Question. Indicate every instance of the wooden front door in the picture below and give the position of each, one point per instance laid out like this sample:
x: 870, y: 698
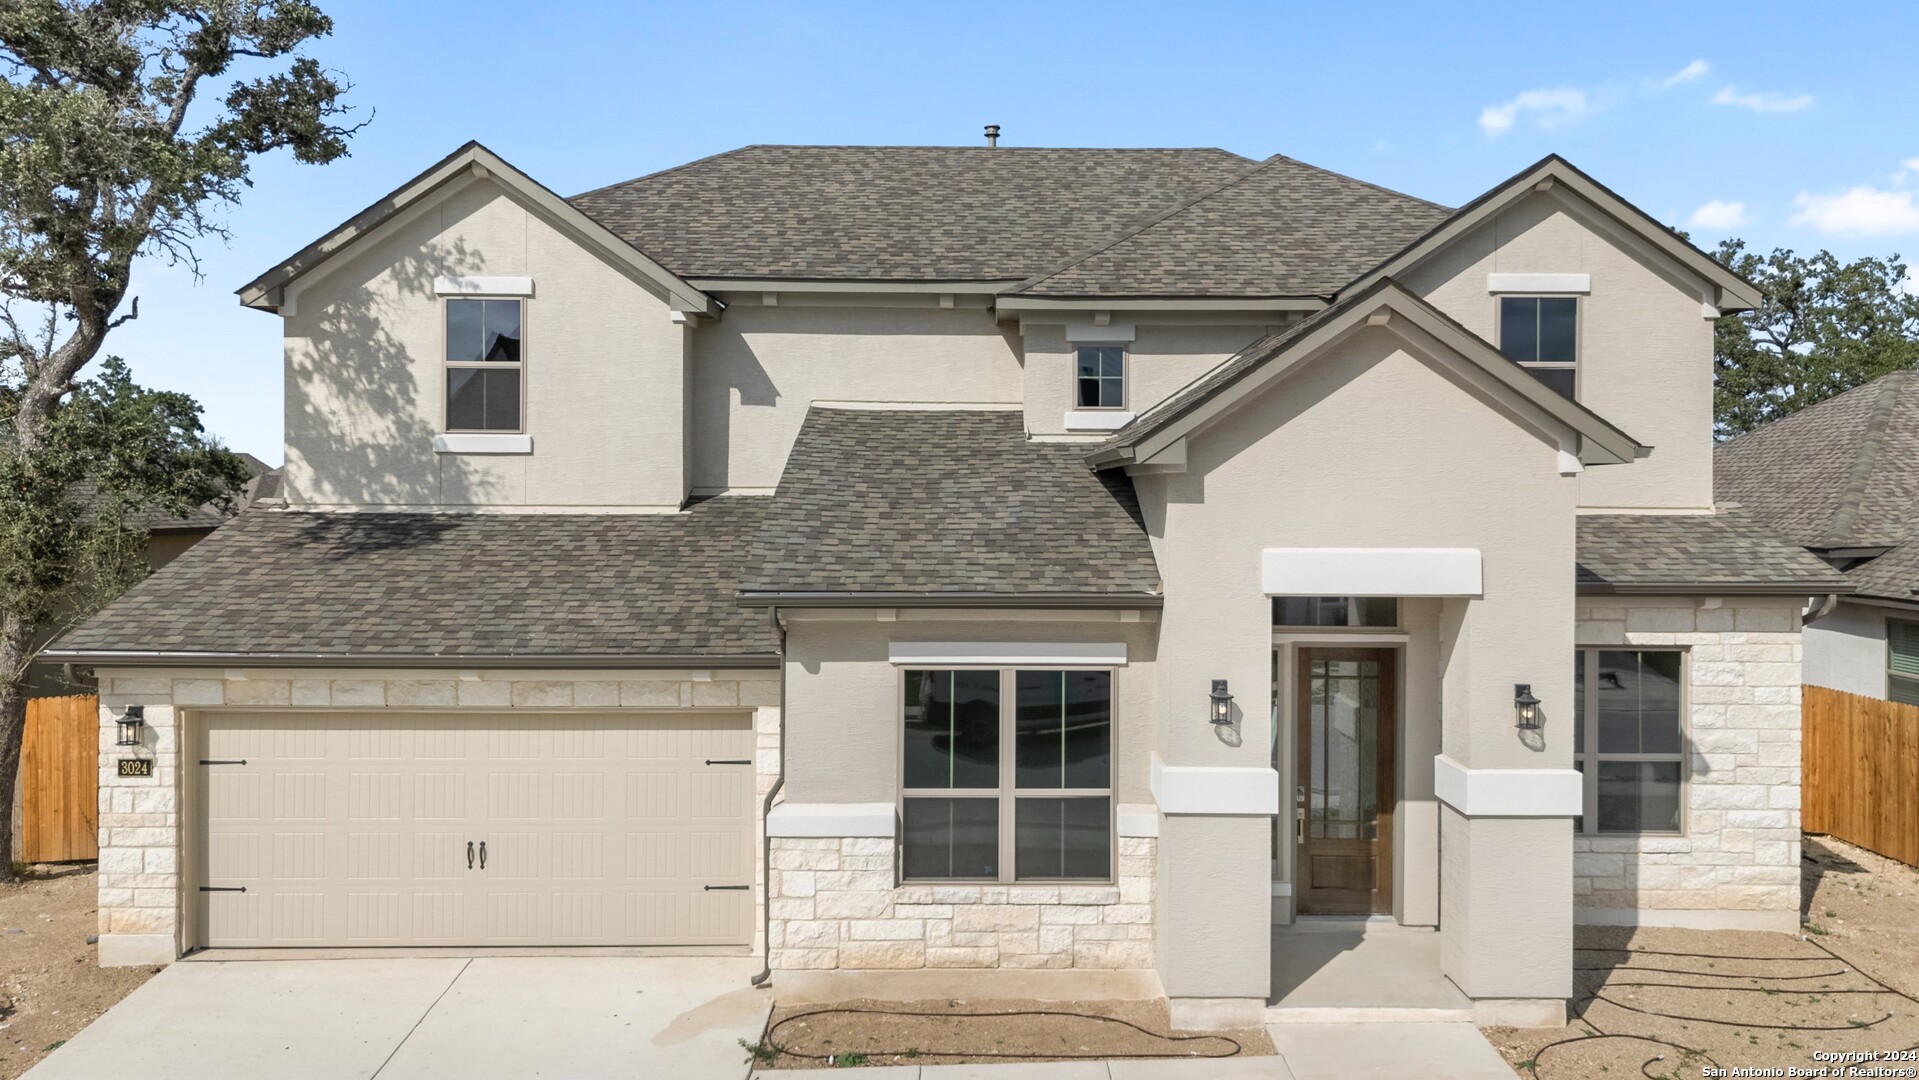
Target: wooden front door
x: 1343, y: 798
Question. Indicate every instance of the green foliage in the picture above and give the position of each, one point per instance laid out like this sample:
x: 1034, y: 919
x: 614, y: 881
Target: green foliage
x: 1822, y: 328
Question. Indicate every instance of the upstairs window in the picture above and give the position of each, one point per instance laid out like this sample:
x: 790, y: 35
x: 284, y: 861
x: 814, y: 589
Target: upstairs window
x: 1102, y: 377
x: 1902, y: 661
x: 483, y: 366
x: 1541, y: 334
x: 1318, y: 611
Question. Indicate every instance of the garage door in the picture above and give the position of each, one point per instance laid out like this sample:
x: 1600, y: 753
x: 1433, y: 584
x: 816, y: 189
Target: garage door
x: 457, y: 829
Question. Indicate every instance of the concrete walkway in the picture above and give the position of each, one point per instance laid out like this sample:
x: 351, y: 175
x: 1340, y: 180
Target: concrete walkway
x: 425, y: 1019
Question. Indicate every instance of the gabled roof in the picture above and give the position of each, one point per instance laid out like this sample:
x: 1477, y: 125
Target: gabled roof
x: 1283, y: 228
x: 897, y: 213
x: 1730, y: 551
x: 267, y: 291
x: 1841, y: 474
x: 417, y: 589
x: 1731, y: 292
x: 903, y: 507
x: 1252, y: 368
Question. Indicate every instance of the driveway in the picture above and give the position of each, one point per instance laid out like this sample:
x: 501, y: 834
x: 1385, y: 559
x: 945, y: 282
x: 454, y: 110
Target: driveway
x: 425, y: 1019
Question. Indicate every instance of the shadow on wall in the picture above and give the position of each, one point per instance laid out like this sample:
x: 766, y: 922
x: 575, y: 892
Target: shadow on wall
x: 357, y: 414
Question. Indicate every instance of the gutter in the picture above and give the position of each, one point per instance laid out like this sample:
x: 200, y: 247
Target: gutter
x: 1707, y: 588
x: 766, y: 835
x: 1091, y: 601
x: 154, y: 658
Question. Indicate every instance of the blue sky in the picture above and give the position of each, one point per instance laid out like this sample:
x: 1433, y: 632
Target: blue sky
x: 1778, y: 124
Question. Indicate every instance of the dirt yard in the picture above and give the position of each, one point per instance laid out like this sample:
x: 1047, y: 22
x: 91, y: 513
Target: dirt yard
x: 50, y: 986
x: 1673, y: 1003
x: 950, y: 1032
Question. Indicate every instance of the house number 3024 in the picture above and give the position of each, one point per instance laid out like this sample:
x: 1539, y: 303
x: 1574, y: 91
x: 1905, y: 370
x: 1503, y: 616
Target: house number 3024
x: 136, y: 766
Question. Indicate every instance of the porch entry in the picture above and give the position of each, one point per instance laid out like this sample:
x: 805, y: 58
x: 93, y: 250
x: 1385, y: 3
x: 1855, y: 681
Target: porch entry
x: 1343, y: 794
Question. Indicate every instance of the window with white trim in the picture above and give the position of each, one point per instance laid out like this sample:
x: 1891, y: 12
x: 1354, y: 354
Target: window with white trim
x: 483, y: 366
x: 1541, y: 334
x: 1007, y: 786
x: 1902, y: 661
x: 1629, y: 739
x: 1101, y: 377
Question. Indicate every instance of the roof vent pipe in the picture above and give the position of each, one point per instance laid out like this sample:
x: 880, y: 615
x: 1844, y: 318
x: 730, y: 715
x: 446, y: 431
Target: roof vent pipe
x: 992, y: 134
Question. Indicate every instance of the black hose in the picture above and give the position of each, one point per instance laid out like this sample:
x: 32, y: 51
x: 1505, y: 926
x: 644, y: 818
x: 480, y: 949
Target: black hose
x: 922, y: 1052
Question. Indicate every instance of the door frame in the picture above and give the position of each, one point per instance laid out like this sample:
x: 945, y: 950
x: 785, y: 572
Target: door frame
x: 1386, y: 780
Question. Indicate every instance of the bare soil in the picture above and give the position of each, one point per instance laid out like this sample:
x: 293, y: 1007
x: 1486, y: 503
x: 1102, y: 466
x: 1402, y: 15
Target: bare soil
x: 948, y: 1032
x: 1672, y: 1003
x: 51, y: 983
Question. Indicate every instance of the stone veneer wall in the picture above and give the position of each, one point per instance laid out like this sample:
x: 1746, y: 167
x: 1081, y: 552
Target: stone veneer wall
x: 836, y: 905
x: 1737, y: 865
x: 141, y: 827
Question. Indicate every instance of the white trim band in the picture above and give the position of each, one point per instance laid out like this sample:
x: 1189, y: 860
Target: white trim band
x: 831, y: 819
x: 1508, y: 792
x: 1137, y: 819
x: 483, y: 286
x: 482, y: 444
x: 1087, y: 332
x: 1096, y: 419
x: 1371, y: 572
x: 1539, y: 283
x: 1101, y: 654
x: 1214, y: 789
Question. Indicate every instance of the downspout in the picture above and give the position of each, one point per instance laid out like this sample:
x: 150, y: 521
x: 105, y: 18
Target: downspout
x: 1816, y: 608
x: 766, y: 839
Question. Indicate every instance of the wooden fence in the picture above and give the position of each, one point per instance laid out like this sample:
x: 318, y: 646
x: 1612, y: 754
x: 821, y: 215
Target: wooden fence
x: 60, y: 780
x: 1861, y: 771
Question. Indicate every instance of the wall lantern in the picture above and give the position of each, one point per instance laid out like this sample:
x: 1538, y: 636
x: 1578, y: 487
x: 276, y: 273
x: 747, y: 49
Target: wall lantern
x: 1526, y: 707
x: 1222, y: 703
x: 131, y: 724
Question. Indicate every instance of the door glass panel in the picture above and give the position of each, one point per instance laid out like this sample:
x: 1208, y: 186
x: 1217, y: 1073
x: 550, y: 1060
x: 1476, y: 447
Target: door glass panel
x: 1344, y: 801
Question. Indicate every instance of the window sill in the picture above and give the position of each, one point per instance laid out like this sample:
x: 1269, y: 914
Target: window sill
x: 1096, y: 419
x: 482, y: 443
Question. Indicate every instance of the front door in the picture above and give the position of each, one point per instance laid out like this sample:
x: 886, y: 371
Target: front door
x: 1343, y: 798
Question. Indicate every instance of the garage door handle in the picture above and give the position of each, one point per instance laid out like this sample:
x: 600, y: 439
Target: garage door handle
x: 223, y: 761
x: 729, y: 761
x: 223, y: 888
x: 726, y: 888
x: 469, y: 854
x: 482, y: 854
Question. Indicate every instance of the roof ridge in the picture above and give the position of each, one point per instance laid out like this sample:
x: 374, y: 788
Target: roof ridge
x: 1885, y: 402
x: 1129, y: 232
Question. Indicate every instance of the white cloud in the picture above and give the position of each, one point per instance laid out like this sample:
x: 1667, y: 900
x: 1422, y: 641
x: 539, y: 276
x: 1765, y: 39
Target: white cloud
x: 1763, y: 101
x: 1548, y: 108
x: 1718, y: 214
x: 1908, y: 167
x: 1685, y: 74
x: 1862, y: 211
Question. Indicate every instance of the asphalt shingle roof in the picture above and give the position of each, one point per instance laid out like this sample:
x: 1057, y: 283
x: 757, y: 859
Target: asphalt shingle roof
x: 449, y: 585
x: 1284, y: 228
x: 1728, y: 549
x: 913, y: 501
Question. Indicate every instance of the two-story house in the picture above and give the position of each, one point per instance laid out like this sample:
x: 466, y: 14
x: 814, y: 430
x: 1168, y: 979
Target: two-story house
x: 992, y: 563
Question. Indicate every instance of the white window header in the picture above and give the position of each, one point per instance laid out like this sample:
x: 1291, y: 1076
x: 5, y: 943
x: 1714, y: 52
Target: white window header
x: 1539, y: 283
x: 1009, y: 653
x: 1371, y: 572
x: 1096, y: 419
x: 483, y: 286
x: 1086, y: 332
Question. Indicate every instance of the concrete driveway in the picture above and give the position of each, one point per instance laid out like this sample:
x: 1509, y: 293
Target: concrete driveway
x: 425, y: 1019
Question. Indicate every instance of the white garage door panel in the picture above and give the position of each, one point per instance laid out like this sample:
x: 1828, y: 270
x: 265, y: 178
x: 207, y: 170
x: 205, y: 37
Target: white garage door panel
x: 599, y: 829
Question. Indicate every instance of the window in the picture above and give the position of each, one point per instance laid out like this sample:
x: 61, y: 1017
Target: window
x: 483, y: 365
x: 1902, y: 661
x: 1541, y: 334
x: 1629, y: 739
x: 1007, y: 775
x: 1335, y: 611
x: 1102, y: 377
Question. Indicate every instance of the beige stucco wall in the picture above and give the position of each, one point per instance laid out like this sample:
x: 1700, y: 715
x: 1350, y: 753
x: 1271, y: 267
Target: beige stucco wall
x: 1367, y: 446
x: 604, y: 371
x: 757, y: 369
x: 1162, y: 358
x: 1645, y: 348
x: 843, y: 693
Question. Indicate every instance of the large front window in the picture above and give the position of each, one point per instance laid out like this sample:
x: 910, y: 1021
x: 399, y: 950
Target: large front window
x: 1629, y: 739
x: 1007, y: 775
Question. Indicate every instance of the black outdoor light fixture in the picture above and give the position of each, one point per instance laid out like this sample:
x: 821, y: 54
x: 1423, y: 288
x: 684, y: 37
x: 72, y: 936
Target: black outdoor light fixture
x: 130, y: 723
x: 1526, y: 707
x: 1222, y: 703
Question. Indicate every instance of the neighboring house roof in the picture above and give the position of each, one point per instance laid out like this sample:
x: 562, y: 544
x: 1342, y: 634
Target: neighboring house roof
x: 898, y: 213
x: 1730, y: 551
x: 437, y: 589
x: 209, y: 516
x: 1283, y: 228
x: 268, y: 291
x: 949, y: 507
x: 1840, y: 477
x: 1273, y: 356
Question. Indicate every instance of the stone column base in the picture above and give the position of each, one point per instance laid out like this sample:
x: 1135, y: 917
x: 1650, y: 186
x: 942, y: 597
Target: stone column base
x: 1519, y: 1012
x: 1216, y: 1014
x: 136, y: 950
